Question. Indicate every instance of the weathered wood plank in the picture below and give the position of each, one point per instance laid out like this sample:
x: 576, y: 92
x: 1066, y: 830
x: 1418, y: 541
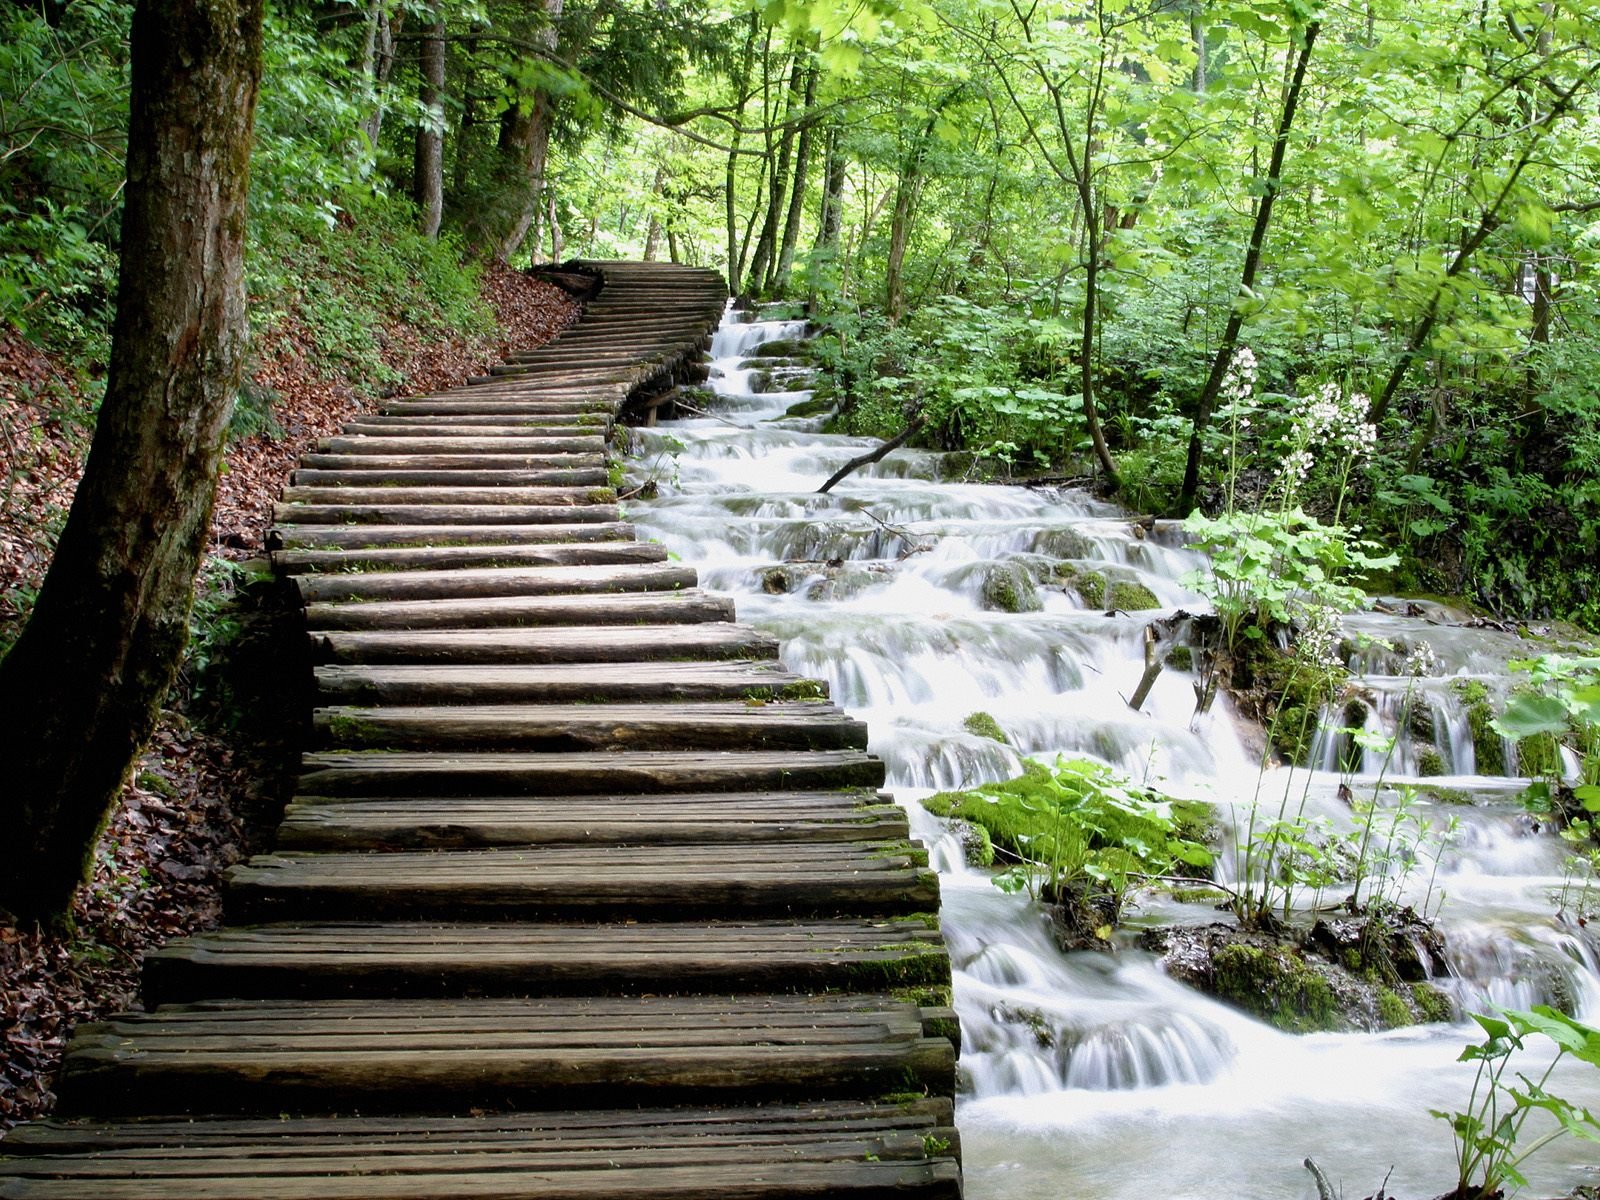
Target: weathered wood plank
x: 688, y: 606
x: 404, y: 773
x: 548, y: 883
x: 459, y: 476
x: 595, y: 681
x: 596, y: 727
x: 411, y: 959
x: 599, y: 644
x: 423, y: 1055
x: 398, y: 558
x: 939, y: 1180
x: 449, y: 494
x: 708, y: 820
x: 305, y: 537
x: 468, y: 582
x: 522, y: 444
x: 443, y: 514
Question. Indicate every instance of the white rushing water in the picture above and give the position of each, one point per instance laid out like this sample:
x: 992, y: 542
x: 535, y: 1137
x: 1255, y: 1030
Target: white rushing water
x: 1087, y: 1075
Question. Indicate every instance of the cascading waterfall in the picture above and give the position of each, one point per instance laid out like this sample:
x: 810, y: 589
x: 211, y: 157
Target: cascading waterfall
x: 1094, y: 1075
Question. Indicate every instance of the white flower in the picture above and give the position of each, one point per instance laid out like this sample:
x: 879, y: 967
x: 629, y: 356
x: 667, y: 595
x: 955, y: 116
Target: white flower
x: 1421, y: 660
x: 1320, y: 635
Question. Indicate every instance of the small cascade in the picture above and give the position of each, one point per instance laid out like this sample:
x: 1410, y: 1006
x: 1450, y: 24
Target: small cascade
x: 924, y: 599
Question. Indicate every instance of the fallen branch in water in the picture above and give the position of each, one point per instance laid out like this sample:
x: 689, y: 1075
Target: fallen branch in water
x: 700, y: 412
x: 913, y: 546
x: 872, y: 456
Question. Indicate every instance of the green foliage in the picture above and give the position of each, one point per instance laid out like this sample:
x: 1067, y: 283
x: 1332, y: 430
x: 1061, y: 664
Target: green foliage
x: 1490, y: 1143
x: 63, y: 119
x: 981, y: 724
x: 1277, y: 985
x: 1075, y: 827
x: 342, y: 282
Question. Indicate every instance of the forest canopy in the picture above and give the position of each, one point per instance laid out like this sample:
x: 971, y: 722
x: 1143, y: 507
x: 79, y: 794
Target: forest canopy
x: 1053, y: 234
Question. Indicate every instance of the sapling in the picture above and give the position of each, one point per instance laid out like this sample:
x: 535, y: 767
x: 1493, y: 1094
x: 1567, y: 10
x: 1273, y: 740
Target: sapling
x: 1489, y: 1138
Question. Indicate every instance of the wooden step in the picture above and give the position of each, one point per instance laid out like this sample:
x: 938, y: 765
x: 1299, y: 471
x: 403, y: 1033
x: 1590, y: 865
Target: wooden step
x: 686, y: 606
x: 702, y: 818
x: 468, y: 582
x: 437, y: 558
x: 438, y: 444
x: 455, y: 403
x: 443, y: 514
x: 777, y: 1152
x: 392, y: 429
x: 550, y: 683
x: 419, y: 1056
x: 374, y: 960
x: 450, y: 494
x: 597, y: 644
x: 298, y: 537
x: 566, y: 728
x: 409, y: 773
x: 587, y: 460
x: 500, y: 422
x: 461, y: 476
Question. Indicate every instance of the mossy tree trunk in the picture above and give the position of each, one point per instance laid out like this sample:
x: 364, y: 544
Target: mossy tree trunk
x: 81, y: 688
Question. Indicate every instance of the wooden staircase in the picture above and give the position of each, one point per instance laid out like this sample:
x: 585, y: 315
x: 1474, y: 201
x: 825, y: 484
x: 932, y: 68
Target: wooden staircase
x: 581, y: 895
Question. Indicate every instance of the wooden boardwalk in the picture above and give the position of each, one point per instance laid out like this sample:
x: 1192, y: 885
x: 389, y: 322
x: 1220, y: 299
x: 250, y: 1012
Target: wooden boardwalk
x: 581, y: 894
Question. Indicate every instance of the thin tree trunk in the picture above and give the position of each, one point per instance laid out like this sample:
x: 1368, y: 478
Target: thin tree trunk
x: 797, y: 196
x: 1271, y: 186
x: 730, y: 193
x: 377, y: 62
x: 557, y: 244
x: 81, y: 687
x: 777, y: 185
x: 652, y: 240
x: 428, y: 176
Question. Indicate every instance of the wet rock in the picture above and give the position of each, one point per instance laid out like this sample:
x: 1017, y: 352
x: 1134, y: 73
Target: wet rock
x: 1360, y: 973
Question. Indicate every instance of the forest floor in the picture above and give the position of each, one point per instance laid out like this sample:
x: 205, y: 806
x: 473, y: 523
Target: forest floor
x: 190, y: 806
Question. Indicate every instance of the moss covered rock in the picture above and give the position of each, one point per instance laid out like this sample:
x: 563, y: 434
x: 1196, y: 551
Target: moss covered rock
x: 1009, y: 587
x: 981, y: 724
x: 1130, y: 595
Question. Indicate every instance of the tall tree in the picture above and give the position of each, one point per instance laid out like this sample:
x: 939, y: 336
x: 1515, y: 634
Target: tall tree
x: 81, y: 687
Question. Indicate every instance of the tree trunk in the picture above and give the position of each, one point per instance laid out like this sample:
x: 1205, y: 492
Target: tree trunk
x: 1271, y: 186
x: 376, y: 63
x: 428, y: 181
x: 499, y: 231
x: 652, y: 239
x: 80, y: 690
x: 777, y: 186
x: 797, y: 197
x: 730, y: 195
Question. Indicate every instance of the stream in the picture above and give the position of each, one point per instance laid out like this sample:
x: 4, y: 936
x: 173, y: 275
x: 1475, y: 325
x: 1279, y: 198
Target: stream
x: 1091, y: 1075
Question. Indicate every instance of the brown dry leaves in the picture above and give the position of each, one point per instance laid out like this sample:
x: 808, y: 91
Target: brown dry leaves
x: 160, y: 859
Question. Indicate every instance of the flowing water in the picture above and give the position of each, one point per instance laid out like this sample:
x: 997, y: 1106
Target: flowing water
x: 1087, y: 1075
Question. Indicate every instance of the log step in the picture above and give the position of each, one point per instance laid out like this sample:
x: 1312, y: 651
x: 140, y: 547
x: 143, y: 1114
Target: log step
x: 685, y: 607
x: 449, y: 494
x: 635, y: 576
x: 412, y: 558
x: 443, y: 514
x: 419, y: 1056
x: 455, y: 404
x: 550, y: 683
x: 389, y: 428
x: 313, y: 536
x: 474, y: 425
x: 711, y: 818
x: 356, y: 444
x: 576, y: 644
x: 471, y: 477
x: 566, y: 728
x: 406, y: 773
x: 778, y: 1152
x: 373, y: 960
